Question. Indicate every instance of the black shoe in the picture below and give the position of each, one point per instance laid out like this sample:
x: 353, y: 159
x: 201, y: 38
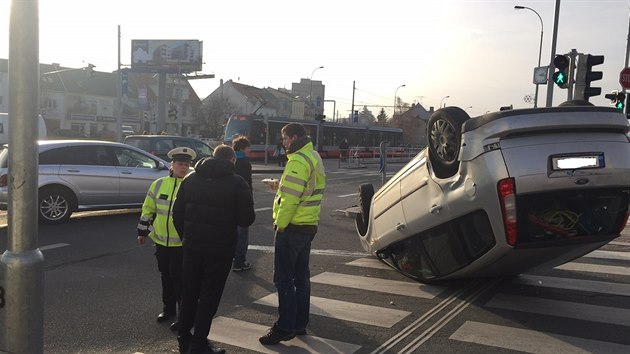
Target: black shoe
x: 163, y: 316
x: 300, y: 332
x: 209, y: 349
x: 275, y: 335
x: 184, y: 344
x: 175, y: 326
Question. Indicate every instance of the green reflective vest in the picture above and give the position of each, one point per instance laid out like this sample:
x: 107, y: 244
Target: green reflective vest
x: 157, y: 211
x: 299, y: 197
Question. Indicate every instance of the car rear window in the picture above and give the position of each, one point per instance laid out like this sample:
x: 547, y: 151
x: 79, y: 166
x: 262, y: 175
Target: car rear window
x: 142, y: 144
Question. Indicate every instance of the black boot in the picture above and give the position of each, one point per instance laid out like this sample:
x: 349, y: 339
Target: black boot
x: 184, y: 344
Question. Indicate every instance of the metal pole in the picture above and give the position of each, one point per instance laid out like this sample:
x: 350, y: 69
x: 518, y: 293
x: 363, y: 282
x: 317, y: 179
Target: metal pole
x: 22, y: 264
x: 267, y: 139
x: 383, y: 151
x: 553, y: 54
x: 119, y: 95
x: 352, y: 109
x: 395, y: 95
x: 161, y: 118
x: 539, y: 49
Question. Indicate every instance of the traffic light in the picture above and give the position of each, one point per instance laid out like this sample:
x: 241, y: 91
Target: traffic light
x: 617, y: 99
x: 561, y: 76
x: 172, y: 113
x: 585, y: 76
x: 320, y: 117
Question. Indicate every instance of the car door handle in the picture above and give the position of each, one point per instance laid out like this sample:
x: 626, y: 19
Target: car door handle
x: 400, y: 227
x: 435, y: 209
x: 126, y: 173
x: 73, y: 170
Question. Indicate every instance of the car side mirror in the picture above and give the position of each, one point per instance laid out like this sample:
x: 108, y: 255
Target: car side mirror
x: 162, y: 166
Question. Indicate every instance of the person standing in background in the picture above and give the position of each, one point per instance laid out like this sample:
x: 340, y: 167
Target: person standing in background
x: 243, y: 168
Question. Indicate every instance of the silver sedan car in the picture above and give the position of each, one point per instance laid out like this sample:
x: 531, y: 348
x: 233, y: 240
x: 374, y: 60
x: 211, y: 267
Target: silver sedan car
x: 87, y: 175
x: 502, y: 193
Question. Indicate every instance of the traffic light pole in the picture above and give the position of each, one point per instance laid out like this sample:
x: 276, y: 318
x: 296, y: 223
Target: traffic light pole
x: 554, y: 39
x: 572, y: 66
x: 22, y: 264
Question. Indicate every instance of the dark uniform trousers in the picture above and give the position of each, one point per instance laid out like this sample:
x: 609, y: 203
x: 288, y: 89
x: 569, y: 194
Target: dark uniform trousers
x: 169, y: 261
x: 204, y: 277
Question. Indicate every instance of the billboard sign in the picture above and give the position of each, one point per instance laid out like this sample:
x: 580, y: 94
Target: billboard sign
x: 166, y: 56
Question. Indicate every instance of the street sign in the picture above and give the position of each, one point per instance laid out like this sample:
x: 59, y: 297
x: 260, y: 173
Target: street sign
x: 624, y: 78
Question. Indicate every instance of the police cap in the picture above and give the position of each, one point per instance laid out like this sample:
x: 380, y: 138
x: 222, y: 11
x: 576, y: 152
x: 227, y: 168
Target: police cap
x: 184, y: 154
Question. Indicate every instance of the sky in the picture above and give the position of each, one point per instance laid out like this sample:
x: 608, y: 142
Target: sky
x: 479, y: 53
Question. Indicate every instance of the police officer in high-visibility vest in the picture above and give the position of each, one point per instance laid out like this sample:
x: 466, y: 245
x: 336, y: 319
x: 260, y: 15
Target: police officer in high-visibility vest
x: 156, y: 222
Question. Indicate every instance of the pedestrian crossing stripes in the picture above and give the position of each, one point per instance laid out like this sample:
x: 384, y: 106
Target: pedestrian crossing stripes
x: 566, y: 309
x: 531, y: 341
x: 347, y: 311
x: 418, y: 333
x: 245, y: 335
x: 386, y: 286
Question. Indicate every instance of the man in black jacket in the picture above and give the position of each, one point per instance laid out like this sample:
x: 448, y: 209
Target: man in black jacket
x: 211, y: 203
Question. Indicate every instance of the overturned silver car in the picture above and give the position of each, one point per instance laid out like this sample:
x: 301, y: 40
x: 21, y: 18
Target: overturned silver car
x: 502, y: 193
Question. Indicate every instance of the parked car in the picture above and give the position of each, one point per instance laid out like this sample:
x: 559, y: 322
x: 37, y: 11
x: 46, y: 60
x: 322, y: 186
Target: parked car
x: 87, y: 175
x: 502, y: 193
x: 160, y: 145
x: 127, y: 130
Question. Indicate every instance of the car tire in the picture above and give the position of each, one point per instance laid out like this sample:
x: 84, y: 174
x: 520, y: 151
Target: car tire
x: 55, y: 205
x: 366, y: 193
x: 444, y: 132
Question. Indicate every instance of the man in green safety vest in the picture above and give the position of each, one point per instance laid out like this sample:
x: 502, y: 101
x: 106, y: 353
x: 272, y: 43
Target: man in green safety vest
x: 156, y: 222
x: 296, y: 210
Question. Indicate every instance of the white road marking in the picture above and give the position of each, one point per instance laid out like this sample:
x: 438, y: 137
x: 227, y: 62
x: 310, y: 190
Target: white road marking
x: 339, y: 253
x: 405, y: 288
x: 348, y: 195
x: 600, y: 287
x: 525, y: 340
x: 566, y: 309
x: 53, y: 246
x: 347, y: 311
x: 263, y: 209
x: 369, y: 263
x: 595, y: 268
x: 245, y: 335
x: 622, y: 256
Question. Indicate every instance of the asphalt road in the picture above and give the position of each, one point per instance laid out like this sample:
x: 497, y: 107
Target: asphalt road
x: 102, y: 294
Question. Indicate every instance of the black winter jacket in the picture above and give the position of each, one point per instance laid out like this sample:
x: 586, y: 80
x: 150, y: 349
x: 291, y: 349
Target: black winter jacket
x: 210, y: 203
x: 244, y: 169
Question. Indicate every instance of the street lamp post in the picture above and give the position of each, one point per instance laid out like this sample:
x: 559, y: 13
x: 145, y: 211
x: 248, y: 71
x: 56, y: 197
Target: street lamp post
x: 517, y: 7
x: 445, y: 97
x: 310, y: 96
x: 396, y: 95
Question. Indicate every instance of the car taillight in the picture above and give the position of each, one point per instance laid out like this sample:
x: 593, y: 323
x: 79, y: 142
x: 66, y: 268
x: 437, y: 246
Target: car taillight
x: 507, y: 198
x: 4, y: 180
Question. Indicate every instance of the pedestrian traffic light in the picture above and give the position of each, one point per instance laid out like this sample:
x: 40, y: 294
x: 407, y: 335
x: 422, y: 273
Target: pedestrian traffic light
x: 585, y: 76
x: 617, y: 99
x: 561, y: 76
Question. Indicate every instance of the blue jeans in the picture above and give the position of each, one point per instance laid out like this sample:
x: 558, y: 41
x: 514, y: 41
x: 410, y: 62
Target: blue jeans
x: 242, y: 243
x: 292, y: 278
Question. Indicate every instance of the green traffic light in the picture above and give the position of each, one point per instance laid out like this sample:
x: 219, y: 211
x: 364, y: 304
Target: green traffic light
x: 560, y: 78
x: 619, y: 105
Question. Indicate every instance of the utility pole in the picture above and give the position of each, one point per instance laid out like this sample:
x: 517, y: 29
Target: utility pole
x: 352, y: 109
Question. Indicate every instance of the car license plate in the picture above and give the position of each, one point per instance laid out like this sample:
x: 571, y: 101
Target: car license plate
x: 577, y: 161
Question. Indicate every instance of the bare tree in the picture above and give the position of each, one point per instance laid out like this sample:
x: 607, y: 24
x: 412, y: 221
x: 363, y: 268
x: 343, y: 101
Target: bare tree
x: 214, y: 115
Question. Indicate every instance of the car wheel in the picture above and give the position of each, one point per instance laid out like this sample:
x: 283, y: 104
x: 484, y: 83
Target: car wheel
x: 366, y: 192
x: 445, y: 139
x: 55, y: 205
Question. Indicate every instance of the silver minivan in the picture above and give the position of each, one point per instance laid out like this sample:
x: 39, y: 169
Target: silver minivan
x: 87, y: 175
x: 502, y: 193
